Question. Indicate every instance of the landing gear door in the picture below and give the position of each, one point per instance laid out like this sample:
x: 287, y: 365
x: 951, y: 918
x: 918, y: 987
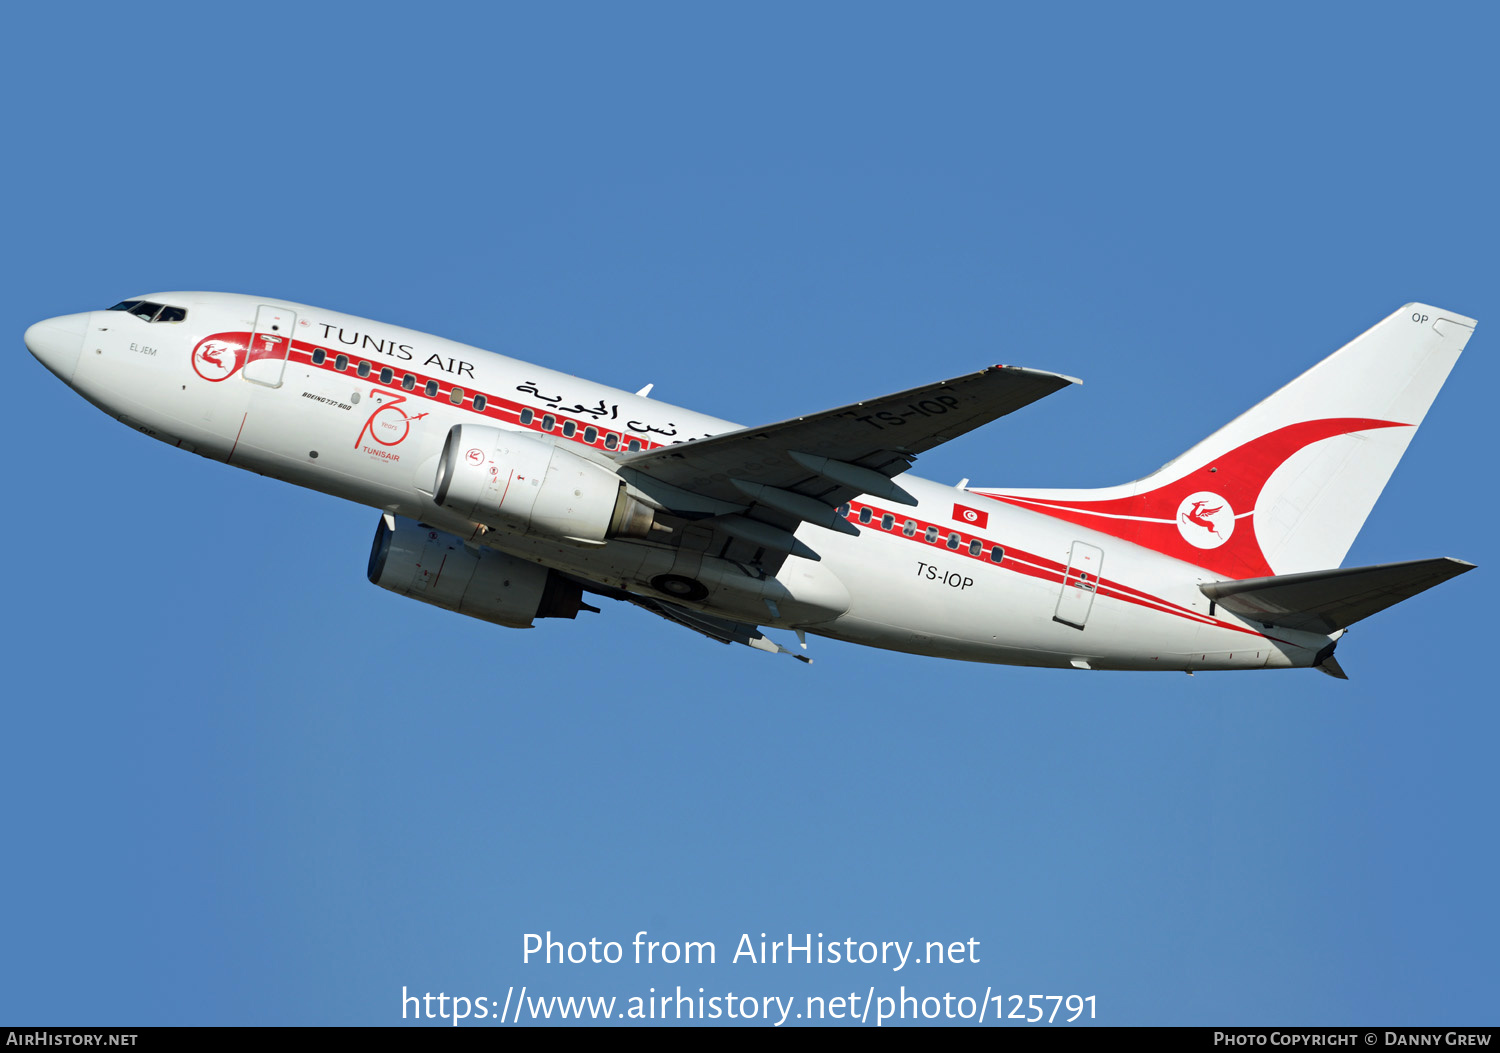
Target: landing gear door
x: 269, y: 344
x: 1081, y: 582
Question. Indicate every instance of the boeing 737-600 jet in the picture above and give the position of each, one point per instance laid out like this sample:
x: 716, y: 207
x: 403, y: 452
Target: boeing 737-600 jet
x: 507, y: 491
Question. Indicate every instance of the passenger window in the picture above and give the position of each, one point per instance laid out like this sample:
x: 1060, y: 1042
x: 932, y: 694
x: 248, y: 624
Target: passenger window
x: 364, y: 369
x: 843, y: 511
x: 431, y: 389
x: 408, y: 382
x: 931, y: 534
x: 634, y: 445
x: 887, y: 521
x: 548, y: 422
x: 953, y: 540
x: 910, y: 529
x: 527, y: 416
x: 456, y: 396
x: 996, y: 554
x: 591, y: 435
x: 976, y: 547
x: 341, y: 363
x: 611, y: 441
x: 569, y: 428
x: 319, y: 356
x: 865, y: 515
x: 386, y: 374
x: 479, y: 403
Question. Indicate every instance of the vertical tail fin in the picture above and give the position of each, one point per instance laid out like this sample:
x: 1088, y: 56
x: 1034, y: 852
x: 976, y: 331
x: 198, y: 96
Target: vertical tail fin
x: 1286, y: 486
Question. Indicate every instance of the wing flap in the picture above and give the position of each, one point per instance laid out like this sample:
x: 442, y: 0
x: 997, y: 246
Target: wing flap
x: 1325, y: 601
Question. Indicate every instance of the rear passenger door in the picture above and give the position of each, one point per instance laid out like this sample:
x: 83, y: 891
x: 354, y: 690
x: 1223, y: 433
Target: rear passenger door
x: 1080, y: 584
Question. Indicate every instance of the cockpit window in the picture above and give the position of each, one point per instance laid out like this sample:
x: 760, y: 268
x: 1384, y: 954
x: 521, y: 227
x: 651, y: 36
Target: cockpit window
x: 151, y: 312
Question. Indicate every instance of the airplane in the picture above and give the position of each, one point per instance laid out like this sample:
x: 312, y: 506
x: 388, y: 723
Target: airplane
x: 507, y: 491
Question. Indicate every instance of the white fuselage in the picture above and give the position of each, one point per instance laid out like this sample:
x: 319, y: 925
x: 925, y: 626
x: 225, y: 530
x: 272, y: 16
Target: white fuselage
x: 334, y: 422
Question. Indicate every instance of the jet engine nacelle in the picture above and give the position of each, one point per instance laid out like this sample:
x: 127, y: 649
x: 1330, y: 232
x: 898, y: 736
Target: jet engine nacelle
x: 515, y: 481
x: 437, y: 568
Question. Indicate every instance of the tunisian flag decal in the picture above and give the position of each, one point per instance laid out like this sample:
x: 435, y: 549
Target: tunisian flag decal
x: 971, y: 516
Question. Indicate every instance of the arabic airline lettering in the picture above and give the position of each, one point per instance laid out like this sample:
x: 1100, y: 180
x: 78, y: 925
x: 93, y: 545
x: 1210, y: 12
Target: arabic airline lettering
x: 508, y: 491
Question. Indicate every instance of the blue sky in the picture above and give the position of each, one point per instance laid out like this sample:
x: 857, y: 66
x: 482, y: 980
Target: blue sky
x: 245, y: 786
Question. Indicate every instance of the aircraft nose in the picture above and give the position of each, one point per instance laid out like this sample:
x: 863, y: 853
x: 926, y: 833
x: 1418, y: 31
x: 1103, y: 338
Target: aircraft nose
x: 57, y: 343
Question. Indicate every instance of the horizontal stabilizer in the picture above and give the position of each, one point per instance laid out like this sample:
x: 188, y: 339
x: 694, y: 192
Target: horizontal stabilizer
x: 1330, y: 667
x: 1324, y: 601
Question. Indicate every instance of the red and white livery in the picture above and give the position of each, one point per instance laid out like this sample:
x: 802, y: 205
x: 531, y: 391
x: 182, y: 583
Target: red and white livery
x: 508, y: 491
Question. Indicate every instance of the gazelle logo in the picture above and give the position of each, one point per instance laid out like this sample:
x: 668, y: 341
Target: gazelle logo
x: 1205, y: 519
x: 216, y: 359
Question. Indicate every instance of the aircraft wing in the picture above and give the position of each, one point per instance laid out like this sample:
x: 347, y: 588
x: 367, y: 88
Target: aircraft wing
x: 800, y: 470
